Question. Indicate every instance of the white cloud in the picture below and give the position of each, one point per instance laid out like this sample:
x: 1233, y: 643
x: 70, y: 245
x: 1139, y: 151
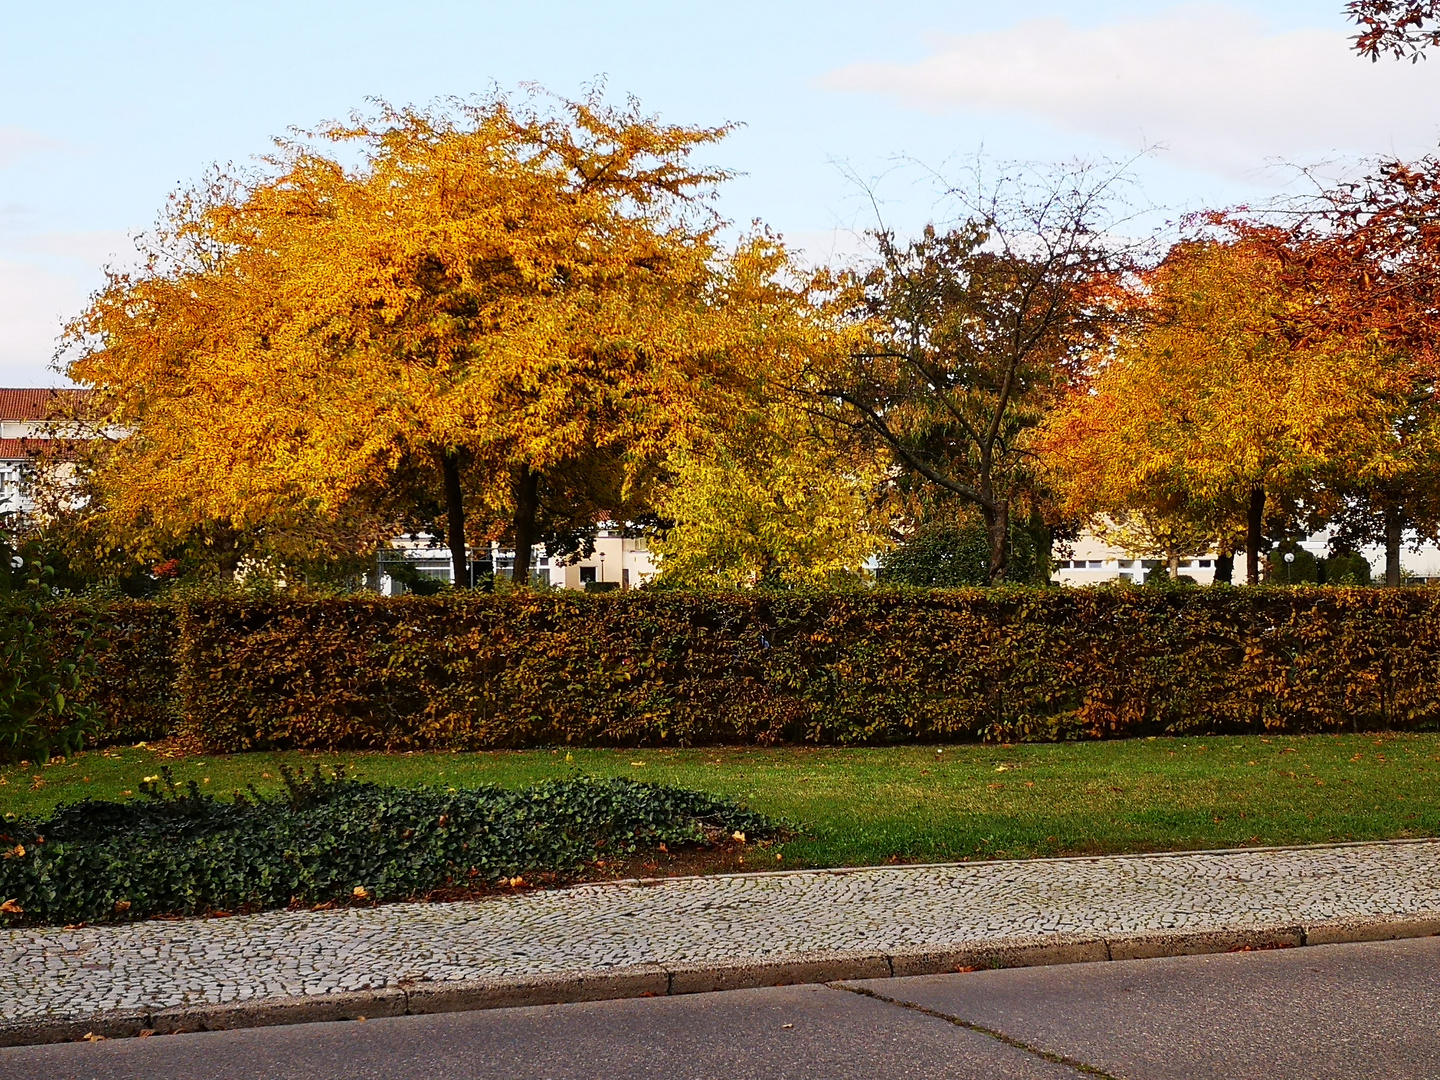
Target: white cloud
x: 1214, y: 85
x: 17, y: 142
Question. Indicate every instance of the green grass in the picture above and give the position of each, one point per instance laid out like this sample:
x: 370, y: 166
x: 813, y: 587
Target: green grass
x: 874, y: 805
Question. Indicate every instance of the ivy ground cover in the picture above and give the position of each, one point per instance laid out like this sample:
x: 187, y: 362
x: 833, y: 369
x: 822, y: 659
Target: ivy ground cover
x: 179, y: 850
x: 871, y: 805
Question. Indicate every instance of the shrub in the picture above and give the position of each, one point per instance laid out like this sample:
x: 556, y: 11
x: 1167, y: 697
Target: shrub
x: 44, y: 667
x: 947, y: 555
x: 883, y: 666
x: 183, y: 852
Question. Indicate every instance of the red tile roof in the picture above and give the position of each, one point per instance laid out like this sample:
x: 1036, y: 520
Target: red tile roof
x: 36, y: 404
x: 34, y: 449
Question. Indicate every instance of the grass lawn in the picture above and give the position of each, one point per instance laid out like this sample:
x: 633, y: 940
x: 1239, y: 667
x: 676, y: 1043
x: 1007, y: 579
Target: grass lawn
x: 873, y: 805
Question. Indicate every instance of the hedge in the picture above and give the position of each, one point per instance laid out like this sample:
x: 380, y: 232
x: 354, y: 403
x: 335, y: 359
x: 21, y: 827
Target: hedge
x: 181, y: 852
x: 473, y: 671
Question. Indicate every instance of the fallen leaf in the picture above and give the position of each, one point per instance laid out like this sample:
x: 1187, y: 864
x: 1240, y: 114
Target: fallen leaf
x: 786, y: 1027
x: 738, y: 836
x: 10, y: 907
x: 122, y: 906
x: 360, y: 892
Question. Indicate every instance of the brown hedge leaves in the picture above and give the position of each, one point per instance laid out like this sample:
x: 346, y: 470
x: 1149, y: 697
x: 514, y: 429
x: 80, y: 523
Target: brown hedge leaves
x: 888, y: 666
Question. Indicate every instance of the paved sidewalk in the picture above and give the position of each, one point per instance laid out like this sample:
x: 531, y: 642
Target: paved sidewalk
x: 689, y: 934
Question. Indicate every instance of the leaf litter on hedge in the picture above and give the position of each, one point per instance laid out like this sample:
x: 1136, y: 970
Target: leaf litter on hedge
x: 325, y: 840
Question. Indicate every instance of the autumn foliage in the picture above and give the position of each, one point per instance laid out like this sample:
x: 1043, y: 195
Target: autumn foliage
x: 645, y: 668
x: 489, y: 319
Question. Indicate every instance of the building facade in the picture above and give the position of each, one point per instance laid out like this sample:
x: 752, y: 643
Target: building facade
x: 29, y: 419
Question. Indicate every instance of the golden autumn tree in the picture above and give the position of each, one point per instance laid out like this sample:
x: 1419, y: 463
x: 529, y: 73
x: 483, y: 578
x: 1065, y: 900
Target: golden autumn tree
x: 1211, y: 412
x: 1189, y: 419
x: 490, y: 314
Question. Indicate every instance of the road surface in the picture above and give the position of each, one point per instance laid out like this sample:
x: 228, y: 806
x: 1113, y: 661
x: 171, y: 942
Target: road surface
x: 1342, y: 1011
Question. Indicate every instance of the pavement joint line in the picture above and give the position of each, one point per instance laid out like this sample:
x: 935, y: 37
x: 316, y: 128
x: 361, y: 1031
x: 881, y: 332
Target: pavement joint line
x: 981, y: 1029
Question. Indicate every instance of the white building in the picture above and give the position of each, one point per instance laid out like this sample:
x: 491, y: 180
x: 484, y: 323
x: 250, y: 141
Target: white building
x: 618, y: 562
x: 1093, y: 562
x: 28, y: 419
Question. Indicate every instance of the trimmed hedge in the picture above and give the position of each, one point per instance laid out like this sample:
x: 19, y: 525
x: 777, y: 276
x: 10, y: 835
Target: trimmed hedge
x: 471, y: 671
x: 180, y: 852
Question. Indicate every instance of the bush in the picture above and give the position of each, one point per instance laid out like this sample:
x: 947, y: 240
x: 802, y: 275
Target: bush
x: 183, y: 852
x: 950, y: 555
x: 472, y: 671
x: 44, y: 667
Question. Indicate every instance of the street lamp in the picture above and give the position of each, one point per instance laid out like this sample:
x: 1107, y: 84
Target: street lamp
x: 1289, y: 561
x: 602, y: 566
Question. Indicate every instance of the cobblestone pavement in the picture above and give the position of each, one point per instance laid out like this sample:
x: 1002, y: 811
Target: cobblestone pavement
x: 57, y: 973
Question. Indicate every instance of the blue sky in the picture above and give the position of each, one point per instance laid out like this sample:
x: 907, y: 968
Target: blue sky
x: 105, y: 108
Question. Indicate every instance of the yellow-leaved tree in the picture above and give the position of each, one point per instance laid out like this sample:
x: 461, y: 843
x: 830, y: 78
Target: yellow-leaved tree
x: 769, y: 500
x: 491, y: 316
x: 1208, y: 411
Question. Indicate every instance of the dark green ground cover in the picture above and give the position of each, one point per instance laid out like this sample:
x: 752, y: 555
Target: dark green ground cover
x: 179, y: 850
x: 869, y: 805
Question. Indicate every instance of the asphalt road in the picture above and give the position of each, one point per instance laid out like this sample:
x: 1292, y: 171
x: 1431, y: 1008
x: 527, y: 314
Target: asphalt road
x: 1343, y: 1011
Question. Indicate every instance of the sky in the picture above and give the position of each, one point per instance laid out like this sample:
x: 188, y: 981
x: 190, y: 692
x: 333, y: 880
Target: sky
x: 107, y: 108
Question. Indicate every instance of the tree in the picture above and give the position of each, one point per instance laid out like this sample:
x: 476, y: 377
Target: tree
x: 1363, y: 261
x: 1403, y: 28
x: 966, y: 337
x: 1146, y: 532
x: 1206, y: 410
x: 767, y: 500
x: 500, y: 313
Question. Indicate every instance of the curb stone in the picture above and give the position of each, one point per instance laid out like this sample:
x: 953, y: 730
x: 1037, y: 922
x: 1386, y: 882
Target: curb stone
x: 660, y: 980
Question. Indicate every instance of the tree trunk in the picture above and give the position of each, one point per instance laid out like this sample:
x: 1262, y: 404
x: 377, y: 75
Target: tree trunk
x: 1225, y: 566
x: 226, y: 541
x: 997, y: 528
x: 527, y: 505
x: 1254, y: 524
x: 455, y: 520
x: 1394, y: 534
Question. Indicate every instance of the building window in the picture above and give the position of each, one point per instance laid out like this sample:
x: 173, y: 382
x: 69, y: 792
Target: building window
x: 1127, y: 564
x: 587, y: 574
x: 1097, y: 564
x: 1205, y: 563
